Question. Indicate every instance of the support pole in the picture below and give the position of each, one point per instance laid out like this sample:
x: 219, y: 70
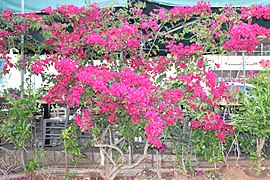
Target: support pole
x: 22, y: 54
x: 244, y: 70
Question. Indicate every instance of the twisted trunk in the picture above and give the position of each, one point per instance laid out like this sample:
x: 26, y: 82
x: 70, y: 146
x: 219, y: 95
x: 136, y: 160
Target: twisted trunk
x: 260, y: 145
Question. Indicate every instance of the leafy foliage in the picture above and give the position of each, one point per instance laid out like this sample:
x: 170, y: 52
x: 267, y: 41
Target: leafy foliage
x: 254, y: 115
x: 16, y: 126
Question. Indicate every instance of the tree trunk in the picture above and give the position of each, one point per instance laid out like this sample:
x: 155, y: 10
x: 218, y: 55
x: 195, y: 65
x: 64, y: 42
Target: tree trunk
x: 102, y: 157
x: 23, y: 160
x: 260, y: 145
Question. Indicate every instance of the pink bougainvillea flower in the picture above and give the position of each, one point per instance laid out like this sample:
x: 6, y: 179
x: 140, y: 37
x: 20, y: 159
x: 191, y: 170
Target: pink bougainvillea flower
x: 221, y: 136
x: 200, y: 63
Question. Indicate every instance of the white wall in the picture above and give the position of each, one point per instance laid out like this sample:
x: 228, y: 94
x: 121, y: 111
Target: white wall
x: 13, y: 79
x: 236, y: 62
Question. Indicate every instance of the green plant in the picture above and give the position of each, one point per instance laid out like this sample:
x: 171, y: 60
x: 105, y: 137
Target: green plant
x: 213, y: 174
x: 182, y: 147
x: 207, y: 146
x: 70, y: 176
x: 70, y: 136
x: 35, y: 163
x: 253, y: 118
x: 70, y: 145
x: 16, y: 127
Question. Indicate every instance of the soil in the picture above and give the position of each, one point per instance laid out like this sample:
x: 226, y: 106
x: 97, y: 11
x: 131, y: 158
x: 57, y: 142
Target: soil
x: 232, y: 172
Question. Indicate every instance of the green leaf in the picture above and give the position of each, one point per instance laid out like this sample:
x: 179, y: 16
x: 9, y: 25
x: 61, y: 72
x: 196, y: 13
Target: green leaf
x: 169, y: 56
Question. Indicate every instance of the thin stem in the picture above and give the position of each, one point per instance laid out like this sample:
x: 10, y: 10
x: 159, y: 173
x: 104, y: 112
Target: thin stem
x: 120, y: 140
x: 180, y: 27
x: 66, y: 158
x: 110, y: 158
x: 155, y: 38
x: 235, y: 139
x: 22, y: 156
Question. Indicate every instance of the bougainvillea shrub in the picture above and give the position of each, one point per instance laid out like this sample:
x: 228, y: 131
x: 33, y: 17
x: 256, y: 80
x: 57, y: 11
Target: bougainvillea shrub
x: 108, y: 61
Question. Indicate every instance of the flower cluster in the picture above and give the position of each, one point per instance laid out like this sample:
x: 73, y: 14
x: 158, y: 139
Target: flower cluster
x: 257, y: 11
x: 245, y: 37
x: 66, y: 66
x: 3, y: 35
x: 110, y: 91
x: 180, y: 51
x: 84, y: 120
x: 189, y: 11
x: 213, y: 121
x: 265, y: 63
x: 154, y: 128
x: 6, y: 14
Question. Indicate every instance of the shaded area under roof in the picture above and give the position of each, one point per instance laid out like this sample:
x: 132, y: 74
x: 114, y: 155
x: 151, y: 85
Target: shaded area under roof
x: 37, y: 5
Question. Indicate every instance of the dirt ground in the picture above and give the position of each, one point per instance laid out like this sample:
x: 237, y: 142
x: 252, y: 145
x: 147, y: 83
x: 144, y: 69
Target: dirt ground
x: 232, y: 172
x: 237, y: 173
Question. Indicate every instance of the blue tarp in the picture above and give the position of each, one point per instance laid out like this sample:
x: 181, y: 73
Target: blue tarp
x: 37, y: 5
